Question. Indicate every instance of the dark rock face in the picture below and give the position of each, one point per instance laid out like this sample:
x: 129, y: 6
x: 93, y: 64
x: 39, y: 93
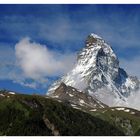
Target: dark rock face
x: 75, y: 98
x: 90, y: 40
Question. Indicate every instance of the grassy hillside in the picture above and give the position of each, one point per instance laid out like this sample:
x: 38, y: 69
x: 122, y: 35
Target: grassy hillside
x: 22, y: 115
x: 125, y: 119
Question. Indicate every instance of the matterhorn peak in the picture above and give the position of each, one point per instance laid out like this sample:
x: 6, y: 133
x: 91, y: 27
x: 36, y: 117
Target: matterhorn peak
x: 92, y: 39
x: 98, y: 74
x: 95, y: 36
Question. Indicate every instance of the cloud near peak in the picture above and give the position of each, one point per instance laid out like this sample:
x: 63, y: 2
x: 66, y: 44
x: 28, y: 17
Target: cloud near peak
x: 37, y: 61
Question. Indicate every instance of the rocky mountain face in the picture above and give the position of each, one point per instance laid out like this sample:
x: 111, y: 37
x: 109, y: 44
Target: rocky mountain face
x: 76, y: 99
x: 97, y: 73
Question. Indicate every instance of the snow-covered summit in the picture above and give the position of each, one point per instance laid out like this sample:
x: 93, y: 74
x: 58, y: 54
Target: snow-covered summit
x: 95, y: 36
x: 97, y: 73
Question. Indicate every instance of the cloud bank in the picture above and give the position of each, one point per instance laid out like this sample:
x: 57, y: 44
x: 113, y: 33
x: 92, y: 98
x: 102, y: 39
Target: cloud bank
x: 37, y: 61
x: 131, y: 66
x: 133, y: 100
x: 109, y: 98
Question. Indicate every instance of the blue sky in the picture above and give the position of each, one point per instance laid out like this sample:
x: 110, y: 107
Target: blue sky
x: 62, y: 30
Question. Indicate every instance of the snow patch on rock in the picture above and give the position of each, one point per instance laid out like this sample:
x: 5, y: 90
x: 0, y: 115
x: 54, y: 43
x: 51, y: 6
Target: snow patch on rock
x: 55, y: 96
x: 2, y: 95
x: 81, y: 101
x: 126, y: 110
x: 120, y: 108
x: 12, y: 92
x: 76, y: 107
x: 93, y: 110
x: 71, y: 95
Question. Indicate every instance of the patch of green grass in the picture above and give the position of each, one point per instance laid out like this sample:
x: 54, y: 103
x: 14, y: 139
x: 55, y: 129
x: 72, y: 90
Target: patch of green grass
x: 22, y: 115
x: 112, y: 116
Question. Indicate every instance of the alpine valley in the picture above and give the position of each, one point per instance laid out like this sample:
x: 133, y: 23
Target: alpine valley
x: 92, y: 99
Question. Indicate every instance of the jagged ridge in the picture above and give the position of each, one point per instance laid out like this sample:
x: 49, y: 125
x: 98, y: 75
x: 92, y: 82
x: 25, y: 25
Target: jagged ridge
x: 76, y: 99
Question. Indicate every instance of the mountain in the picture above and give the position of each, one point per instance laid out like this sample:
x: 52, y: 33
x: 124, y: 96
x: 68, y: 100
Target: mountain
x: 97, y: 73
x: 76, y: 99
x: 90, y: 100
x: 125, y: 119
x: 35, y: 115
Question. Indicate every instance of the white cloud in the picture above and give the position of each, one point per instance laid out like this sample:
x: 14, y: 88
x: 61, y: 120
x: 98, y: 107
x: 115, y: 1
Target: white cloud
x: 132, y: 66
x: 109, y: 99
x: 37, y: 61
x: 133, y: 100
